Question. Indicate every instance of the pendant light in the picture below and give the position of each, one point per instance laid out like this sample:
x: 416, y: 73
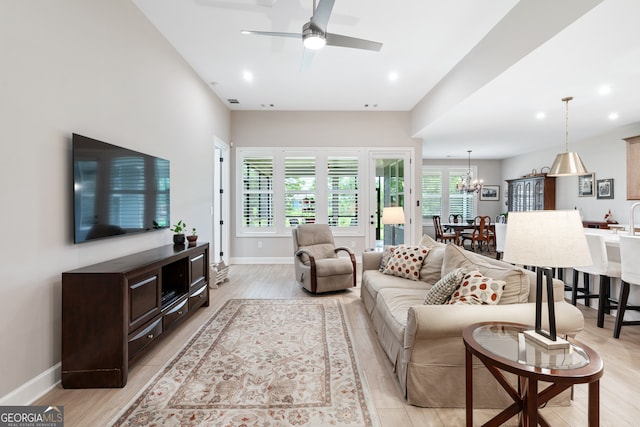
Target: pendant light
x: 467, y: 184
x: 567, y: 163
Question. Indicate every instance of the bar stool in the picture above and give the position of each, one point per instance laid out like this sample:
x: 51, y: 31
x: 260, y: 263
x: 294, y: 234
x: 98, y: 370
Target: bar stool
x: 501, y: 234
x: 629, y: 256
x: 602, y: 267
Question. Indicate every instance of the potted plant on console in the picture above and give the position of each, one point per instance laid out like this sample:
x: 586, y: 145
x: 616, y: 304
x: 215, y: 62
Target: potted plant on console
x: 178, y: 230
x: 193, y: 237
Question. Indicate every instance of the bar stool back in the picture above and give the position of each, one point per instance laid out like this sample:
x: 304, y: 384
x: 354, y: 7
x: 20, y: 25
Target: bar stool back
x: 602, y: 267
x: 630, y: 269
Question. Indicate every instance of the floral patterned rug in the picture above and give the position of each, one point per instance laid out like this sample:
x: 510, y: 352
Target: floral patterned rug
x: 260, y: 363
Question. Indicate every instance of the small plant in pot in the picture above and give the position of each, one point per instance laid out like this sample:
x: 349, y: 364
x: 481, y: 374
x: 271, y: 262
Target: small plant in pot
x: 192, y: 237
x: 178, y: 230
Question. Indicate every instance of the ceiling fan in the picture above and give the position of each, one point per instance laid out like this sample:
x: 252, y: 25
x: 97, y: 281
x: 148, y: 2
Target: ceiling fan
x: 315, y: 36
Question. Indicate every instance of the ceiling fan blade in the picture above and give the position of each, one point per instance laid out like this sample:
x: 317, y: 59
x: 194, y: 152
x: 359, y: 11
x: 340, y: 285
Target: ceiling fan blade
x: 346, y: 41
x: 307, y: 58
x: 321, y: 15
x: 271, y: 33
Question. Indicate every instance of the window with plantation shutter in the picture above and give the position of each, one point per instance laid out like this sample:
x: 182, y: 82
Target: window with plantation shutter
x: 440, y: 196
x: 342, y: 186
x: 460, y: 203
x: 257, y: 192
x: 299, y: 190
x: 431, y: 193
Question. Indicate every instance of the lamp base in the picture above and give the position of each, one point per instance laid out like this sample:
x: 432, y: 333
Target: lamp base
x: 545, y: 342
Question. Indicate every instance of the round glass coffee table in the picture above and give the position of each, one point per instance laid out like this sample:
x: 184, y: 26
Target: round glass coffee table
x: 502, y: 347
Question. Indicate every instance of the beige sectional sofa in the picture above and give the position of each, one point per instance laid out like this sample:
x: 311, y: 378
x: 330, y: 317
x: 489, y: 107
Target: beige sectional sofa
x: 424, y: 342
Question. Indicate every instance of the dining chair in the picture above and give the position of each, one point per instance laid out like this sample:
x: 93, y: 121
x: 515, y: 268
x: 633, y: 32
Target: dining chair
x: 439, y: 232
x: 455, y: 218
x: 602, y: 267
x: 630, y: 274
x: 481, y: 233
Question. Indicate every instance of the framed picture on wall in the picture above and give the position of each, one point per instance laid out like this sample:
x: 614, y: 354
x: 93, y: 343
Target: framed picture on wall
x: 585, y: 185
x: 490, y: 192
x: 605, y: 188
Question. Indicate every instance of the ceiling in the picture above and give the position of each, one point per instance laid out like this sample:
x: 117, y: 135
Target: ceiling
x: 473, y: 73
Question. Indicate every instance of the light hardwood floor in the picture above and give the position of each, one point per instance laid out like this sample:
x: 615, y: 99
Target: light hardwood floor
x: 619, y: 387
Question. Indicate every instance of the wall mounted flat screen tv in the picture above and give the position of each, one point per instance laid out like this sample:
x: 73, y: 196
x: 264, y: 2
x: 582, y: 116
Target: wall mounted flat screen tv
x: 117, y: 191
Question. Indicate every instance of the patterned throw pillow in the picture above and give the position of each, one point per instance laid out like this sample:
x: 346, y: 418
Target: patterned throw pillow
x: 442, y: 290
x: 388, y: 252
x: 477, y: 289
x: 406, y: 261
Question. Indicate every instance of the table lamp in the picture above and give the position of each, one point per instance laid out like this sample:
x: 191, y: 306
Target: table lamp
x: 546, y: 239
x: 392, y: 215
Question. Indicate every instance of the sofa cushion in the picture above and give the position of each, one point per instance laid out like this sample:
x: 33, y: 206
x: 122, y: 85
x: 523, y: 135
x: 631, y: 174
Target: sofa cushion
x: 406, y: 261
x: 373, y: 281
x: 442, y: 290
x: 431, y: 270
x: 476, y: 289
x: 516, y: 288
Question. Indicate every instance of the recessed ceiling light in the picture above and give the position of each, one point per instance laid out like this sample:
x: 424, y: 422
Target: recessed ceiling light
x: 247, y: 76
x: 613, y: 116
x: 393, y: 76
x: 540, y: 115
x: 604, y: 90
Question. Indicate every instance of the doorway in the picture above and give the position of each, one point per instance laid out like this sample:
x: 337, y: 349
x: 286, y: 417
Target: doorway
x: 221, y: 209
x: 390, y: 178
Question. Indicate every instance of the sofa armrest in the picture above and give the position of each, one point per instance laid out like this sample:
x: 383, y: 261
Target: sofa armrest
x: 371, y: 260
x: 426, y: 322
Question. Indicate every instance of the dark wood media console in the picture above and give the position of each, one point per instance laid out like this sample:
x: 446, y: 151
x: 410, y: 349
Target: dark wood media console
x: 113, y: 311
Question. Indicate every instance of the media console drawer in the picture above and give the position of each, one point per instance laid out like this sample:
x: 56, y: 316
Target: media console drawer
x: 112, y: 312
x: 175, y: 313
x: 141, y: 339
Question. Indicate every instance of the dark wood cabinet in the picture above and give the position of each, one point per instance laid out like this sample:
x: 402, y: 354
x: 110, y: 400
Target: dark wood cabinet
x: 531, y: 194
x: 112, y: 311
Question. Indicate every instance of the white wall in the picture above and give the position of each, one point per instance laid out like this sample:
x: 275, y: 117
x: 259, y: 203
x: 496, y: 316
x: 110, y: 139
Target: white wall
x: 604, y: 155
x: 102, y: 70
x: 316, y: 129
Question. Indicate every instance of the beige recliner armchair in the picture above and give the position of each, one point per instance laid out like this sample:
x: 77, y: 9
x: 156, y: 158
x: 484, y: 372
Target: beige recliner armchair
x: 318, y: 267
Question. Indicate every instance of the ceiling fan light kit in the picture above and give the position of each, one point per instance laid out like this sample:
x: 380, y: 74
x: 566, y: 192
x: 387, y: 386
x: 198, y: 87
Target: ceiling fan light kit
x: 314, y: 35
x: 313, y: 38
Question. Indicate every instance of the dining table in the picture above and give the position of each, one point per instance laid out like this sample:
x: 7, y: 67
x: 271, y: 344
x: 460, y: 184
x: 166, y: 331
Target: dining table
x: 458, y: 228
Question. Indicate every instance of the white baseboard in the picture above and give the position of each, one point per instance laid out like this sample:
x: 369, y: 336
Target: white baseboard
x: 270, y: 260
x: 33, y: 389
x: 261, y: 260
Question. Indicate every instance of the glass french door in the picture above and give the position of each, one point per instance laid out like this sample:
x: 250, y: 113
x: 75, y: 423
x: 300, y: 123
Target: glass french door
x: 390, y: 179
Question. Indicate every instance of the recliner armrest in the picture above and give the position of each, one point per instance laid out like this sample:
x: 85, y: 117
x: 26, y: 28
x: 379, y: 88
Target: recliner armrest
x: 301, y: 252
x: 344, y: 248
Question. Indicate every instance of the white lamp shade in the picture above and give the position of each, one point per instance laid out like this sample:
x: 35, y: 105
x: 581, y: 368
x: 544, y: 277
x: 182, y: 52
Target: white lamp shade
x: 393, y: 215
x: 546, y: 239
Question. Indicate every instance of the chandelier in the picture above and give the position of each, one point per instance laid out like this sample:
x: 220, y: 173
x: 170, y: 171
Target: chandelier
x: 466, y: 184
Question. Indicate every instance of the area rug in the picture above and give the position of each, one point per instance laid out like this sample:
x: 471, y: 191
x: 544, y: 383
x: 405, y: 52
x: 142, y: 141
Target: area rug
x: 260, y: 363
